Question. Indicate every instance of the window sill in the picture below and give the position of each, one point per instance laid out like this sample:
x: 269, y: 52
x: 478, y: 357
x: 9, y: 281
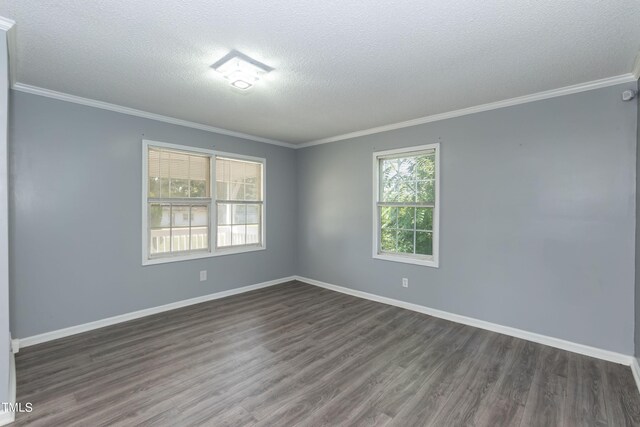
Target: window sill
x: 217, y: 253
x: 426, y: 262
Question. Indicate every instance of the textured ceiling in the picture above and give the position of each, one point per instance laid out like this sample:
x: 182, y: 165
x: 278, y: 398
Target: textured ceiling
x: 340, y: 66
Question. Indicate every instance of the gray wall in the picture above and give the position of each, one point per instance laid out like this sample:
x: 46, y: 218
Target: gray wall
x: 537, y: 213
x: 5, y: 336
x: 76, y: 217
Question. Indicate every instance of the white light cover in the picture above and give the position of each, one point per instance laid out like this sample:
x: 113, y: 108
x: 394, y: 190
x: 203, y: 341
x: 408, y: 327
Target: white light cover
x: 241, y: 84
x: 241, y: 70
x: 243, y: 75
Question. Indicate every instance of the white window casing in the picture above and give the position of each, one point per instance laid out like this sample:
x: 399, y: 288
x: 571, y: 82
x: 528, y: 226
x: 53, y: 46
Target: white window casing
x: 406, y: 205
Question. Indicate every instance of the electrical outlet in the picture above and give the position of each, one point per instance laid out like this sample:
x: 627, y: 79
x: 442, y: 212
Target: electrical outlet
x: 405, y: 282
x: 203, y: 275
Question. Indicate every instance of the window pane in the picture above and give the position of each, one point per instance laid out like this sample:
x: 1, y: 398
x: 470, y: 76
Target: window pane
x: 159, y: 215
x: 426, y: 191
x: 180, y: 216
x: 424, y: 219
x: 179, y: 187
x: 153, y: 162
x: 406, y: 192
x: 252, y: 173
x: 388, y: 240
x: 178, y: 165
x: 224, y: 236
x: 239, y: 214
x: 238, y: 234
x: 199, y: 216
x: 251, y: 192
x: 222, y: 189
x: 199, y: 168
x: 222, y: 170
x: 165, y: 187
x: 253, y: 179
x: 389, y: 169
x: 406, y: 166
x: 406, y: 218
x: 405, y: 242
x: 424, y: 243
x: 179, y: 239
x: 178, y: 227
x: 253, y: 214
x: 389, y: 217
x: 163, y: 168
x: 237, y: 171
x: 224, y: 214
x: 159, y: 241
x: 425, y: 167
x: 199, y: 188
x: 177, y: 174
x: 399, y: 179
x: 236, y: 191
x: 154, y: 186
x: 389, y: 182
x: 253, y: 234
x: 238, y: 180
x: 199, y: 238
x: 391, y: 192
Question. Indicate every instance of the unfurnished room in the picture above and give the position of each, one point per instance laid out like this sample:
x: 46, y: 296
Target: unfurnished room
x: 307, y: 213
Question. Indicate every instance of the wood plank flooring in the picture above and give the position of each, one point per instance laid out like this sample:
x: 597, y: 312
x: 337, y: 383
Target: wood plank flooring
x: 295, y: 354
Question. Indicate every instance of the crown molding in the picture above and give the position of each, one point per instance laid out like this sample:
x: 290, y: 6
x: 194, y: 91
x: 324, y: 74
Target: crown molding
x: 21, y: 87
x: 6, y: 24
x: 568, y: 90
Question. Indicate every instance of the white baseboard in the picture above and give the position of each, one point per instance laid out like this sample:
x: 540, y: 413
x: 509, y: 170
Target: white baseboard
x: 61, y: 333
x: 635, y: 369
x: 9, y: 417
x: 506, y: 330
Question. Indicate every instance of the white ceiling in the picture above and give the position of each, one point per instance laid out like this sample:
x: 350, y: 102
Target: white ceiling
x: 340, y: 66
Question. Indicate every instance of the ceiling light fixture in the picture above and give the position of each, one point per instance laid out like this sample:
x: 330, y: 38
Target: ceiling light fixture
x: 241, y: 71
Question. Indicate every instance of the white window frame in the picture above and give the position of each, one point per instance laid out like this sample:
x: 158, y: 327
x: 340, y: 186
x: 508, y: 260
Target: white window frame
x: 213, y: 211
x: 424, y: 260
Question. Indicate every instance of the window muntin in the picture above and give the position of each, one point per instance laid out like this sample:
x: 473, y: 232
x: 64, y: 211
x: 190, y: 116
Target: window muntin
x: 239, y: 202
x: 406, y: 205
x: 180, y: 202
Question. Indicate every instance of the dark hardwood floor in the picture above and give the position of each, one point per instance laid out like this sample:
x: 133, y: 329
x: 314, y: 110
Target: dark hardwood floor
x: 298, y: 354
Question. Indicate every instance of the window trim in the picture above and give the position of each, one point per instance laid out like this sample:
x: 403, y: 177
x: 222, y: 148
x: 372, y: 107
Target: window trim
x: 428, y: 261
x: 213, y: 213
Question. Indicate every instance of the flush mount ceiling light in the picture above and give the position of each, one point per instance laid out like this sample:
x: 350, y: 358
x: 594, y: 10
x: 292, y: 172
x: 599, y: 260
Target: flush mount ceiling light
x: 241, y: 71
